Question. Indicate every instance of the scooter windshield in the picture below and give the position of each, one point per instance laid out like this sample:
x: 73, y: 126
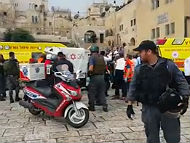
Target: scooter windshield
x: 64, y: 69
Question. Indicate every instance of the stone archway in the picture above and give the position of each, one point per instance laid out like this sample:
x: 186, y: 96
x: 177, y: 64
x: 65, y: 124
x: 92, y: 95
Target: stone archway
x: 90, y: 37
x: 132, y: 42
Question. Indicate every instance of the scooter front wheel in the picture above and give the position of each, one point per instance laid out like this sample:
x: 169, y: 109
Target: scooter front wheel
x: 77, y: 120
x: 34, y: 111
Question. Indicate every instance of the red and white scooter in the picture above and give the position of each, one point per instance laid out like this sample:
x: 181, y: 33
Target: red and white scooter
x: 62, y: 100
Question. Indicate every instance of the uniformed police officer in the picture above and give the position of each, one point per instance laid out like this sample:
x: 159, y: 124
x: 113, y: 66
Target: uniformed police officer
x: 11, y: 70
x: 2, y: 80
x: 150, y: 81
x: 96, y: 86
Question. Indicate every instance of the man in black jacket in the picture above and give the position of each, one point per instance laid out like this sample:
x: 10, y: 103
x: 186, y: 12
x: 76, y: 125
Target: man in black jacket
x: 2, y: 80
x: 61, y: 60
x: 149, y: 82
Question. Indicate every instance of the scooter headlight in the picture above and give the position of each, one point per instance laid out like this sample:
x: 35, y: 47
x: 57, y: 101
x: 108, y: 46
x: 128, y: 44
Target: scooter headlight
x: 74, y: 93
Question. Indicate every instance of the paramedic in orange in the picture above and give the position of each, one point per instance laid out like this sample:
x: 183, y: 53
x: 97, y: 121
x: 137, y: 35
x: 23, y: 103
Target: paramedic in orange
x: 128, y: 72
x: 42, y: 58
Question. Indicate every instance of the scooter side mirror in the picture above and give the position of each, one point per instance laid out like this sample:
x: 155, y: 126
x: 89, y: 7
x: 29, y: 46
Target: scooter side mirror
x: 78, y: 74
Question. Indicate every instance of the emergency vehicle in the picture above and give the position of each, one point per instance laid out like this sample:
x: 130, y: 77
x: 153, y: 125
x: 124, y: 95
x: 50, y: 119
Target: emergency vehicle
x: 25, y: 50
x: 175, y: 49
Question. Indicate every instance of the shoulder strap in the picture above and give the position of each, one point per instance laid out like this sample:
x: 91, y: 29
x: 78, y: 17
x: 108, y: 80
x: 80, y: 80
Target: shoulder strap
x: 171, y: 76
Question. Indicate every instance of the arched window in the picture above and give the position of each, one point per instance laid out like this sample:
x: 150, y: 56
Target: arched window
x: 132, y: 42
x: 90, y: 37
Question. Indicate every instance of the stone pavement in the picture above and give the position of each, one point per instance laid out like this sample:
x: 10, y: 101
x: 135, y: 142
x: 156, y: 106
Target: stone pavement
x: 17, y: 125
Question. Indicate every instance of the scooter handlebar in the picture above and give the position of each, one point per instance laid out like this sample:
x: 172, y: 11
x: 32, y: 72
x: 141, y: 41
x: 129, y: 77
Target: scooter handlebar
x: 60, y: 75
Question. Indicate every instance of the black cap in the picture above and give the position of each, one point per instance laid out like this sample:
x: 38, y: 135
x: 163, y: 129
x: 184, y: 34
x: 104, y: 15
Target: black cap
x: 145, y: 45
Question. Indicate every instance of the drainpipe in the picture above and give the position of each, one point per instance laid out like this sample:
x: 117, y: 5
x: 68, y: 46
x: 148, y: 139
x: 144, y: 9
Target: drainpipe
x: 186, y: 24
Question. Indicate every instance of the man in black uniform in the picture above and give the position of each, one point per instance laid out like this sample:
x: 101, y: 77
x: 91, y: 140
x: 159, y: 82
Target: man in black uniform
x: 153, y: 79
x: 2, y: 80
x: 61, y: 60
x: 96, y: 87
x: 11, y: 71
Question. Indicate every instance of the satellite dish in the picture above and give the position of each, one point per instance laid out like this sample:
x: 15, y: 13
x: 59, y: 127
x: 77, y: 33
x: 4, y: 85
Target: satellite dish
x: 76, y: 16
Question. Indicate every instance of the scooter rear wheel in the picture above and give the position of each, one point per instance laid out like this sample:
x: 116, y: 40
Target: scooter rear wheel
x: 77, y: 121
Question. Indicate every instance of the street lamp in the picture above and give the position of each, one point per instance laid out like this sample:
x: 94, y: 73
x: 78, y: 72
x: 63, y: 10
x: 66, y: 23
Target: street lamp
x: 115, y: 22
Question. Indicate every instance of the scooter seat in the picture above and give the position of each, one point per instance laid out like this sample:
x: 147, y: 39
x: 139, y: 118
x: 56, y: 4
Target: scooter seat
x: 45, y: 91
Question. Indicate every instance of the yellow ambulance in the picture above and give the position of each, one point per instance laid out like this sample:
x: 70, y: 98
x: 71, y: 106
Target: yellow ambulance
x: 25, y: 50
x: 175, y: 49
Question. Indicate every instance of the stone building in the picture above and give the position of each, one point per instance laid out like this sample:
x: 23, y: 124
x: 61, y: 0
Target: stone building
x: 91, y: 29
x: 120, y: 25
x: 7, y: 14
x: 34, y: 16
x: 163, y: 18
x: 137, y: 20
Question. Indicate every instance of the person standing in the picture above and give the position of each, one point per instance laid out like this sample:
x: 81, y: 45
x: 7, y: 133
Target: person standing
x: 107, y: 72
x: 42, y: 58
x: 96, y: 86
x: 128, y: 73
x: 118, y: 78
x: 63, y: 63
x: 150, y: 81
x: 2, y: 80
x: 11, y: 71
x: 187, y: 69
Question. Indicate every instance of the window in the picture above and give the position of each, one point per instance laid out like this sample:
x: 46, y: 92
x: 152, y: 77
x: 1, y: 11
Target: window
x: 101, y: 38
x: 36, y: 19
x: 155, y: 4
x: 167, y: 29
x: 5, y: 13
x: 50, y: 23
x: 157, y: 32
x: 153, y: 34
x: 33, y: 20
x: 134, y: 21
x: 172, y: 28
x: 16, y: 4
x: 121, y: 27
x: 168, y: 1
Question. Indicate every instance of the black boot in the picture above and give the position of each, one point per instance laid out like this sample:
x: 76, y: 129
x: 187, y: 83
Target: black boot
x: 11, y: 99
x: 17, y: 98
x: 2, y: 98
x: 4, y: 95
x: 91, y: 108
x: 105, y: 108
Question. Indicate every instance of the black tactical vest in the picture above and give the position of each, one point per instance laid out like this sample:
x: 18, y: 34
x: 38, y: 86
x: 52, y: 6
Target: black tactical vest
x: 152, y: 82
x: 12, y: 67
x: 100, y: 65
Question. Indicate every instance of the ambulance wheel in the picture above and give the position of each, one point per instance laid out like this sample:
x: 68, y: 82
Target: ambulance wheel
x: 75, y: 120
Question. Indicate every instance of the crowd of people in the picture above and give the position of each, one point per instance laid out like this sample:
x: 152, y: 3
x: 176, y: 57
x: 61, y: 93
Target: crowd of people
x: 155, y: 82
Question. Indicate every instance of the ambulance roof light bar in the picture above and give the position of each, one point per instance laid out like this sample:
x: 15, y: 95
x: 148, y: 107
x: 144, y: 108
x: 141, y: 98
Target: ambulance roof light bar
x: 161, y: 41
